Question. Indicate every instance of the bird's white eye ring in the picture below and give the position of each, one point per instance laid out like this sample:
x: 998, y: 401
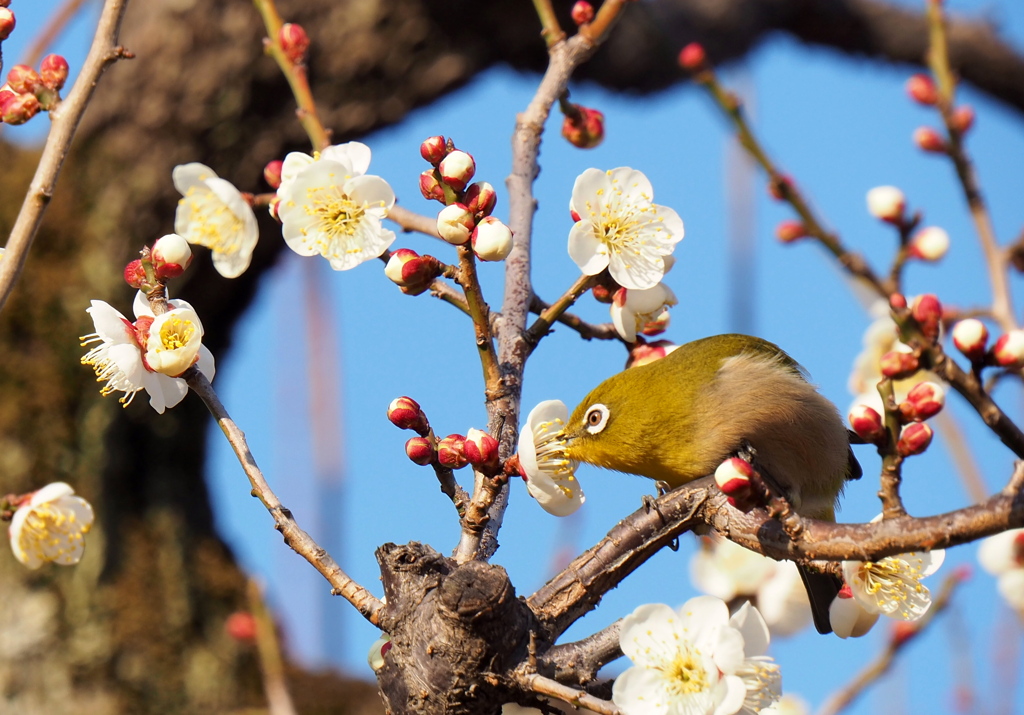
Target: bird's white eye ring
x: 597, y: 418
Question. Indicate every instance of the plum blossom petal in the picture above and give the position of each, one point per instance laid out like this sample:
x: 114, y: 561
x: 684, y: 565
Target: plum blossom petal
x: 620, y: 228
x: 51, y: 526
x: 550, y: 475
x: 892, y: 586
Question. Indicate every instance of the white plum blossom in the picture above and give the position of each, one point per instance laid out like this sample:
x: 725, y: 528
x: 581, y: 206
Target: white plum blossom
x: 620, y: 227
x: 550, y: 475
x: 892, y: 586
x: 788, y: 705
x: 848, y: 618
x: 121, y: 349
x: 51, y: 526
x: 632, y: 309
x: 330, y: 207
x: 1002, y: 556
x: 728, y: 571
x: 695, y: 661
x: 214, y: 214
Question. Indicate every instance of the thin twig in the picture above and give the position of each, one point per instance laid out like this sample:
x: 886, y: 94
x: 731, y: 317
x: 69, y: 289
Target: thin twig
x: 294, y: 536
x: 412, y: 221
x: 587, y: 331
x: 268, y: 648
x: 480, y: 312
x: 576, y: 698
x: 64, y: 122
x: 894, y: 646
x: 892, y: 461
x: 995, y: 258
x: 551, y: 31
x: 549, y: 315
x: 295, y: 74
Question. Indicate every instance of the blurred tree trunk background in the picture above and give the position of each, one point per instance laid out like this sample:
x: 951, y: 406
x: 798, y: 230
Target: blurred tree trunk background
x: 138, y: 626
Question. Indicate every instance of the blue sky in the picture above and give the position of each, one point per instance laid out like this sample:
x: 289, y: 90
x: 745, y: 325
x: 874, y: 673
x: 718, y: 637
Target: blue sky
x: 838, y: 125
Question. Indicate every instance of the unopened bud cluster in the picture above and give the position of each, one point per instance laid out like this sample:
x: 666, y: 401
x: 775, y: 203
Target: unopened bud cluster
x: 583, y: 127
x: 466, y: 217
x: 28, y: 91
x: 168, y: 258
x: 454, y: 451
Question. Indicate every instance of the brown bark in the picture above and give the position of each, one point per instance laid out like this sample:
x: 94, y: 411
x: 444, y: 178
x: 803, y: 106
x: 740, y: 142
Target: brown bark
x: 137, y: 627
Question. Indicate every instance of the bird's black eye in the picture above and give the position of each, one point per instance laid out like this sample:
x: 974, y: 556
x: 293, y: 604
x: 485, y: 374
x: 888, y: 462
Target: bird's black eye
x: 597, y: 418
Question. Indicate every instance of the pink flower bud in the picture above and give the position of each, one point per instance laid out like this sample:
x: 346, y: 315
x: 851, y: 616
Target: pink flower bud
x: 171, y: 256
x: 780, y: 187
x: 582, y: 12
x: 420, y: 450
x: 481, y: 449
x: 433, y: 149
x: 241, y: 626
x: 657, y: 326
x: 929, y: 244
x: 962, y: 118
x: 789, y: 231
x: 451, y: 451
x: 480, y: 198
x: 294, y: 42
x: 927, y: 139
x: 914, y: 439
x: 53, y: 71
x: 430, y: 186
x: 19, y: 108
x: 971, y: 338
x: 645, y: 353
x: 6, y: 23
x: 492, y: 240
x: 585, y: 129
x: 692, y: 57
x: 886, y: 203
x: 867, y: 423
x: 573, y: 215
x: 135, y: 274
x: 927, y: 311
x: 272, y: 173
x: 734, y: 477
x: 923, y: 402
x: 405, y: 413
x: 897, y: 301
x: 455, y: 224
x: 22, y: 79
x: 603, y: 294
x: 410, y: 270
x: 922, y: 90
x: 457, y: 169
x: 1009, y: 349
x: 898, y: 364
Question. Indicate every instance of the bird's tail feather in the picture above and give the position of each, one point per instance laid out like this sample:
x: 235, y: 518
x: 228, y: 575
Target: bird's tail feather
x: 822, y: 589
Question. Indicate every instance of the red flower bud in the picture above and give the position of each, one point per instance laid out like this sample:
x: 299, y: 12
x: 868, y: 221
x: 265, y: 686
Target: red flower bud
x: 457, y: 169
x: 433, y: 149
x: 420, y: 450
x: 481, y: 449
x: 22, y: 79
x: 922, y: 90
x: 867, y: 423
x: 19, y: 108
x: 898, y: 364
x: 585, y: 129
x: 582, y: 12
x: 430, y: 186
x: 789, y: 231
x: 780, y: 187
x: 1009, y: 349
x: 962, y: 118
x: 6, y: 23
x: 272, y: 173
x: 405, y: 413
x: 412, y: 271
x: 914, y: 439
x: 53, y: 71
x: 927, y: 311
x: 603, y: 294
x: 927, y: 139
x: 734, y: 477
x: 645, y: 353
x: 171, y: 255
x: 241, y: 626
x: 898, y: 301
x: 923, y: 402
x: 971, y: 337
x: 135, y: 274
x: 451, y: 451
x: 294, y: 42
x: 480, y: 198
x: 692, y: 57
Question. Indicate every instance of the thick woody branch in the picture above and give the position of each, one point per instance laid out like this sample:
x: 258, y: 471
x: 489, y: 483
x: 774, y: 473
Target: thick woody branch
x: 582, y: 584
x: 577, y: 698
x: 579, y: 661
x: 294, y: 535
x: 64, y: 121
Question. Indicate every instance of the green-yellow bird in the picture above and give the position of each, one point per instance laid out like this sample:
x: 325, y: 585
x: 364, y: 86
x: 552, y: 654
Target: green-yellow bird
x: 678, y: 418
